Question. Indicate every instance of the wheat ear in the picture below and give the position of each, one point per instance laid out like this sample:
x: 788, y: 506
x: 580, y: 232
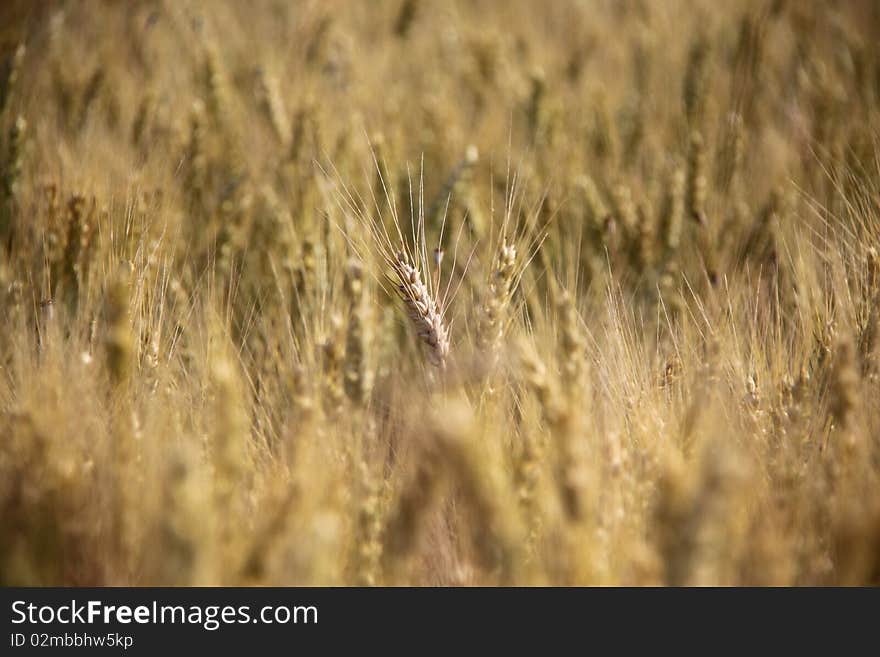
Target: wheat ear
x: 422, y: 309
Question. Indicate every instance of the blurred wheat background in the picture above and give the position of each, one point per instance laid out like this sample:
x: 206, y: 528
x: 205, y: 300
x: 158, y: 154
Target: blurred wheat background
x: 649, y: 354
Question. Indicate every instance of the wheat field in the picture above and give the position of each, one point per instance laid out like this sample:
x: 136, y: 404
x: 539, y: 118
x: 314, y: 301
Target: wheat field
x: 439, y: 293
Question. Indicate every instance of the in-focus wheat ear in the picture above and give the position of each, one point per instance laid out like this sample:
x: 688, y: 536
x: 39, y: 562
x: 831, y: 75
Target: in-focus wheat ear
x: 423, y: 310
